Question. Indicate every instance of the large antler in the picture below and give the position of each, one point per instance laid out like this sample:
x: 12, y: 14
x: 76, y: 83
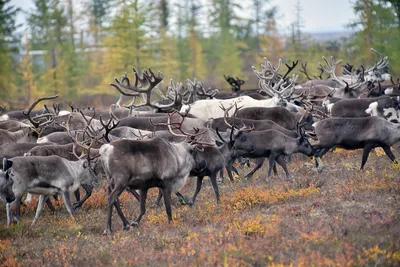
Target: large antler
x: 148, y: 78
x: 37, y: 122
x: 331, y: 70
x: 188, y: 136
x: 108, y: 127
x: 81, y: 144
x: 304, y: 70
x: 244, y: 128
x: 382, y: 63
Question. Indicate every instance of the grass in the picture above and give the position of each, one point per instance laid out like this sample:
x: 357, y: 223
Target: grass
x: 339, y: 217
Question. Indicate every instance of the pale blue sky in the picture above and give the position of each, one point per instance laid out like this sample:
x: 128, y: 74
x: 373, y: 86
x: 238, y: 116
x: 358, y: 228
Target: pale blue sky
x: 318, y: 15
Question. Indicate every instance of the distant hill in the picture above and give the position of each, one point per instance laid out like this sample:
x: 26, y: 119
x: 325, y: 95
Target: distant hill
x: 321, y: 37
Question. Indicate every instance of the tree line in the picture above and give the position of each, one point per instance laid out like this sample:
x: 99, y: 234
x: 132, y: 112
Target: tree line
x: 77, y: 47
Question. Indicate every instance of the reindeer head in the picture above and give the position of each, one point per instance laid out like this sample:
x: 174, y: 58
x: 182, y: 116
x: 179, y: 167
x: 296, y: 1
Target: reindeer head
x: 6, y: 183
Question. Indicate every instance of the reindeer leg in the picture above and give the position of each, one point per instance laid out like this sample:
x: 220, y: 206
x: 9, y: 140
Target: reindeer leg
x: 366, y: 151
x: 283, y: 164
x: 39, y: 209
x: 77, y: 194
x: 49, y: 204
x: 17, y: 208
x: 125, y: 222
x: 213, y: 178
x: 229, y: 167
x: 318, y: 156
x: 159, y: 197
x: 389, y: 152
x: 9, y: 214
x: 67, y: 203
x: 235, y: 170
x: 198, y: 188
x: 143, y: 195
x: 181, y: 198
x: 134, y: 193
x: 272, y: 158
x: 114, y: 191
x: 259, y: 163
x: 167, y: 202
x: 88, y: 190
x: 221, y: 175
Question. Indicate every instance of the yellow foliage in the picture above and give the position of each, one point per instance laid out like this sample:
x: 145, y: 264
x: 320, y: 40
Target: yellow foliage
x: 376, y: 254
x: 379, y: 152
x: 251, y: 197
x: 259, y: 226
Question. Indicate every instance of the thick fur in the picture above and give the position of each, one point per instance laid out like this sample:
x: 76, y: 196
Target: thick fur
x: 133, y: 164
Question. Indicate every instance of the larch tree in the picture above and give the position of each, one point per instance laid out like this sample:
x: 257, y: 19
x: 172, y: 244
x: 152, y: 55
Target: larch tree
x: 8, y: 47
x: 223, y: 51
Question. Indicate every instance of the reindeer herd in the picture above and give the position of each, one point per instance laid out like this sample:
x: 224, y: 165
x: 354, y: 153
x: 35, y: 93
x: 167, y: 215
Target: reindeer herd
x: 192, y: 132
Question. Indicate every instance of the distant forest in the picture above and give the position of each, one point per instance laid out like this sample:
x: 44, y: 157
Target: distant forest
x: 77, y: 47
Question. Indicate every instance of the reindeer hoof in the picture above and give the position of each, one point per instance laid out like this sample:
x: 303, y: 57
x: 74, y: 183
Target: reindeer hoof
x: 107, y: 232
x: 155, y: 206
x: 190, y: 203
x: 76, y: 205
x: 135, y: 224
x: 127, y: 227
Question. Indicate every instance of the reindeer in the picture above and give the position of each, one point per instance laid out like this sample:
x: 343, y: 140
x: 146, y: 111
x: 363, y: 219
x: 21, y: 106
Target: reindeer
x: 48, y: 176
x: 280, y: 90
x: 279, y: 115
x: 355, y: 133
x: 387, y: 108
x: 353, y: 107
x: 272, y: 144
x: 148, y: 163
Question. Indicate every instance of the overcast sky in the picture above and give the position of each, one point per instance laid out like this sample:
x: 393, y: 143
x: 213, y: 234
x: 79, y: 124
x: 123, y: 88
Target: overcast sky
x: 318, y: 15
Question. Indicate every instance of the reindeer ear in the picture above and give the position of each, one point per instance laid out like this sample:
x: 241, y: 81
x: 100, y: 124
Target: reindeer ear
x: 7, y: 164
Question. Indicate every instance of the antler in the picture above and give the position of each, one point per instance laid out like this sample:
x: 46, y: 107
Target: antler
x: 331, y: 68
x: 192, y: 137
x: 148, y: 78
x: 382, y: 63
x: 235, y: 83
x: 76, y: 142
x: 108, y: 127
x: 290, y: 68
x: 244, y: 128
x: 304, y: 70
x: 38, y: 124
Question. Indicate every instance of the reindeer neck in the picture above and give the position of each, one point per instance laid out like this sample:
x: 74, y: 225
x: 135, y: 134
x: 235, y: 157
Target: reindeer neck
x: 225, y: 151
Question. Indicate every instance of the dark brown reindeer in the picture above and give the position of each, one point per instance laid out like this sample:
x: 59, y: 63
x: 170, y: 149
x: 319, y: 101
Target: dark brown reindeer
x: 272, y: 144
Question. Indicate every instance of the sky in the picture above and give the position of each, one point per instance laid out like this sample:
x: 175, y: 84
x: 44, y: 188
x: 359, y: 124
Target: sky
x: 318, y: 15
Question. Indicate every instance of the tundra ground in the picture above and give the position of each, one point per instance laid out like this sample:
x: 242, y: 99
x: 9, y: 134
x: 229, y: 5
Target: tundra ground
x: 339, y: 217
